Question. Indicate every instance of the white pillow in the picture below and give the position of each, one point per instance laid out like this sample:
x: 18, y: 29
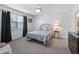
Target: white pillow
x: 44, y: 28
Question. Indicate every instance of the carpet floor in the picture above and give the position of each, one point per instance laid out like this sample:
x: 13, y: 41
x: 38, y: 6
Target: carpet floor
x: 55, y: 46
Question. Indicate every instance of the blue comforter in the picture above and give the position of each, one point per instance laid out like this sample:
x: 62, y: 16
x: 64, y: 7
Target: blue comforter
x: 39, y: 35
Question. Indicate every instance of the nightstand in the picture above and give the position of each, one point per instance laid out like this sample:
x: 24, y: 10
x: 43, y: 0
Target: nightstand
x: 56, y: 30
x: 56, y: 34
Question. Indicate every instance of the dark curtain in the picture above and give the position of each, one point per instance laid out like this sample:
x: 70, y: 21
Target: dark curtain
x: 24, y: 26
x: 6, y: 28
x: 3, y: 26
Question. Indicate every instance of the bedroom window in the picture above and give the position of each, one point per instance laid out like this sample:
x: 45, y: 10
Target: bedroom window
x: 16, y: 21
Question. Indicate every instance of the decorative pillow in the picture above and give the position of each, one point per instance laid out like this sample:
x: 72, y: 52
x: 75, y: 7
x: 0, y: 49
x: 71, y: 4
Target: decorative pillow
x: 44, y: 28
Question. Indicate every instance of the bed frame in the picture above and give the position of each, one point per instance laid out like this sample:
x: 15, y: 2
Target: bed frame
x: 46, y: 27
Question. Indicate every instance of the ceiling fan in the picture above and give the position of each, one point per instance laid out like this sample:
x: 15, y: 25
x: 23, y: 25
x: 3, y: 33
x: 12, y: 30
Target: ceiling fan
x: 38, y: 8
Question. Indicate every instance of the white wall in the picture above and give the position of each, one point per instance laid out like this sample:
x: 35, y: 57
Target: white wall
x: 63, y: 18
x: 74, y: 18
x: 15, y: 34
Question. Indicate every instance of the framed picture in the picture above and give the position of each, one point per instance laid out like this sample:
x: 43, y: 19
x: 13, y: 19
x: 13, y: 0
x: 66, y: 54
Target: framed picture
x: 30, y: 20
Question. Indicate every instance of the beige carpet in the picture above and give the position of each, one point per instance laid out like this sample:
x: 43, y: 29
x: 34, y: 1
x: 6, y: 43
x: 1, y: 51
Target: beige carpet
x: 56, y: 46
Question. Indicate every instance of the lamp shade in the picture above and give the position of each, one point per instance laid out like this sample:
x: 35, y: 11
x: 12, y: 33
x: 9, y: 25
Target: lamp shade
x: 56, y: 27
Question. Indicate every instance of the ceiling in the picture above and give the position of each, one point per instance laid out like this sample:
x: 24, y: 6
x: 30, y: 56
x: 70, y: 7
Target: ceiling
x: 46, y: 8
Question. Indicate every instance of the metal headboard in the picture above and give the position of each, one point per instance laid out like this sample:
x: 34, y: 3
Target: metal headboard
x: 47, y: 27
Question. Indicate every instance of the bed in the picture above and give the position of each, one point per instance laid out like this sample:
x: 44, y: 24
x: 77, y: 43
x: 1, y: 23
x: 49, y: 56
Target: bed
x: 44, y: 33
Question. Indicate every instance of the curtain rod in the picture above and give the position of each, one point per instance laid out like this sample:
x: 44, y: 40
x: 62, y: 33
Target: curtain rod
x: 12, y: 12
x: 17, y: 13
